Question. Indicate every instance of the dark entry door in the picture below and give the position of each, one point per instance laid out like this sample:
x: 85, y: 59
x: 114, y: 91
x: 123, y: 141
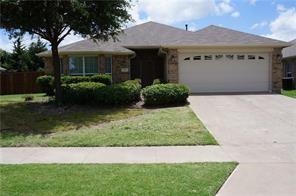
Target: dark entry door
x: 147, y: 65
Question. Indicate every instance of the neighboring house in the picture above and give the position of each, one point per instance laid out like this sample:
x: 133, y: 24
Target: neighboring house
x: 289, y: 61
x: 213, y: 59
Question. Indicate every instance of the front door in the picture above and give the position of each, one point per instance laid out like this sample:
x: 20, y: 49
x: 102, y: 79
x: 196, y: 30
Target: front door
x: 147, y: 65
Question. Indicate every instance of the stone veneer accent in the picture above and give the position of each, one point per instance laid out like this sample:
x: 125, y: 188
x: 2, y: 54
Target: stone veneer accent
x: 172, y: 65
x: 277, y: 70
x: 119, y: 62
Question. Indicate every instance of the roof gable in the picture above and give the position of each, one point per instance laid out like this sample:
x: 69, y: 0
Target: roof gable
x: 290, y: 51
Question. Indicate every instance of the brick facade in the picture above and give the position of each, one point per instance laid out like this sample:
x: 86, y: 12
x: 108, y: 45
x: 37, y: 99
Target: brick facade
x: 172, y: 65
x: 120, y: 64
x: 277, y: 70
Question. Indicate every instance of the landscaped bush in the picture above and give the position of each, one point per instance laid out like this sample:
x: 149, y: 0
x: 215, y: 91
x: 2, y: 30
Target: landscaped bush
x: 100, y: 94
x: 101, y: 78
x: 165, y: 94
x: 81, y: 93
x: 46, y: 84
x: 74, y: 79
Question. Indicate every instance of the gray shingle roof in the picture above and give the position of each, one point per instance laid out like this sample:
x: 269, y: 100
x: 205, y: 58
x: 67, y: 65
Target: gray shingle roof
x: 152, y: 34
x: 290, y: 51
x: 215, y: 35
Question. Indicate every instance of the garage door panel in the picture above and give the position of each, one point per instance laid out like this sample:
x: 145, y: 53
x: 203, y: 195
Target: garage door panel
x: 225, y: 75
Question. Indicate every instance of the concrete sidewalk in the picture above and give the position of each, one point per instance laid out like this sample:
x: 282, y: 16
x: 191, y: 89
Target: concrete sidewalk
x: 172, y: 154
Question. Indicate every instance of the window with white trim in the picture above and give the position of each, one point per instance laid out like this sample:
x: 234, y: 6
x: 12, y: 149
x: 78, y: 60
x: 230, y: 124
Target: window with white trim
x: 208, y: 57
x: 229, y: 56
x: 251, y: 57
x: 196, y: 58
x: 83, y: 65
x: 240, y: 57
x: 108, y: 64
x: 218, y: 56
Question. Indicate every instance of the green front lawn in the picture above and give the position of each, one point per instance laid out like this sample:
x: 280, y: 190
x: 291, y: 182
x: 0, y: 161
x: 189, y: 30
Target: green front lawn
x: 114, y: 179
x: 290, y: 93
x: 41, y: 124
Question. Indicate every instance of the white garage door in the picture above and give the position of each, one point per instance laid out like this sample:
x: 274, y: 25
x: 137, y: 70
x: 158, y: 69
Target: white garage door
x: 224, y: 72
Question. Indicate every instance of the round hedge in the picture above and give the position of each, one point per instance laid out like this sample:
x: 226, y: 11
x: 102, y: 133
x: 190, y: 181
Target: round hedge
x: 165, y: 94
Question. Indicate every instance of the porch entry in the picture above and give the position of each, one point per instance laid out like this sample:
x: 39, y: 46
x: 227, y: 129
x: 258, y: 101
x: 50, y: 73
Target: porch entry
x: 147, y: 65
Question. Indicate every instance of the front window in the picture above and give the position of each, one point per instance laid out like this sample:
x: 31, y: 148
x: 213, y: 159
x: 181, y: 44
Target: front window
x: 83, y: 65
x: 76, y: 65
x: 91, y: 65
x: 108, y: 64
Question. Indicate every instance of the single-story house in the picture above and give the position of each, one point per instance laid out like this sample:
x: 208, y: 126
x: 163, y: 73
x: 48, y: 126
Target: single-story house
x: 289, y: 61
x: 213, y: 59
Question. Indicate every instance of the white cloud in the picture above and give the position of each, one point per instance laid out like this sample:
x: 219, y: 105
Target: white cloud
x: 235, y: 14
x: 223, y: 7
x: 173, y: 11
x: 252, y: 2
x: 280, y: 8
x: 284, y: 26
x: 259, y: 25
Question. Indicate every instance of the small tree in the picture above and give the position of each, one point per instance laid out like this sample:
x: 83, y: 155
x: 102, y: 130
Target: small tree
x: 53, y: 20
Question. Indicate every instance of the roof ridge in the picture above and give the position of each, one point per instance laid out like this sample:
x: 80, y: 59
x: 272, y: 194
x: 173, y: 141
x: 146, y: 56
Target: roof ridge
x: 158, y: 23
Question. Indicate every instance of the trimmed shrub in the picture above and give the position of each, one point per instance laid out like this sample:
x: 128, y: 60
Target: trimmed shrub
x: 81, y: 93
x: 46, y: 84
x: 102, y: 78
x: 100, y: 94
x: 74, y: 79
x: 165, y: 94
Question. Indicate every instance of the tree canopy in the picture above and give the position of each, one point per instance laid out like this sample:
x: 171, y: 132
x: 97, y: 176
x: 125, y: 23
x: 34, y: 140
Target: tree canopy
x: 53, y: 20
x: 23, y: 58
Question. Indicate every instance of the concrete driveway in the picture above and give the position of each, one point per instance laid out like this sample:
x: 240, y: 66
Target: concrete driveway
x: 258, y: 131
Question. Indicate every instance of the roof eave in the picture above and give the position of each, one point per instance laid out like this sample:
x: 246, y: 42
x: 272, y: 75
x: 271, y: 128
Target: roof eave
x: 86, y: 53
x: 227, y: 46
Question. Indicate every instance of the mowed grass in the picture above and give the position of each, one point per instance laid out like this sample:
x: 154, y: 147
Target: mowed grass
x: 39, y: 116
x: 114, y: 179
x: 41, y: 124
x: 37, y: 97
x: 290, y: 93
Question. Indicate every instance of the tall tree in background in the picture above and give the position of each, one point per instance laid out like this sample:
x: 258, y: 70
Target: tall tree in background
x: 18, y: 57
x: 35, y: 62
x: 23, y: 58
x: 53, y: 20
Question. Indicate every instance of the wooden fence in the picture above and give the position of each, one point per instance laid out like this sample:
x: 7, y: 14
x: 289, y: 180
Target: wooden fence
x: 19, y: 82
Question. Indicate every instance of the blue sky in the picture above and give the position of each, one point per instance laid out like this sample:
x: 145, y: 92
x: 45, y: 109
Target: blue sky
x: 270, y: 18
